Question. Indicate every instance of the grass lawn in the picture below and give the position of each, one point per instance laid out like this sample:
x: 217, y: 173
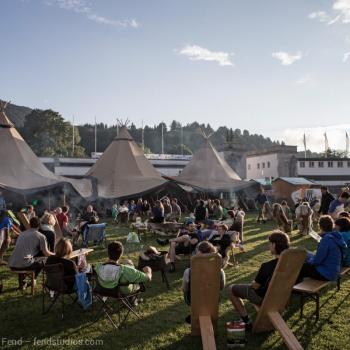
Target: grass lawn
x: 163, y: 311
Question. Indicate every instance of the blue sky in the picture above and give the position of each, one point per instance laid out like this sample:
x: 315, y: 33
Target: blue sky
x: 273, y: 67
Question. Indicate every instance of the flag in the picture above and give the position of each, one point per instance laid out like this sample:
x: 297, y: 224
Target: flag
x: 347, y: 144
x: 304, y: 140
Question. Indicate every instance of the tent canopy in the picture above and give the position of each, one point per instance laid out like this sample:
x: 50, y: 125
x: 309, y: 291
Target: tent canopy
x: 21, y: 170
x: 210, y: 172
x: 123, y: 170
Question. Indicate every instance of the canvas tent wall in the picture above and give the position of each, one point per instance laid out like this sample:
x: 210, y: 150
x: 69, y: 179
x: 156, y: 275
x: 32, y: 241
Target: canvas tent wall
x: 124, y: 171
x: 209, y: 172
x: 21, y: 171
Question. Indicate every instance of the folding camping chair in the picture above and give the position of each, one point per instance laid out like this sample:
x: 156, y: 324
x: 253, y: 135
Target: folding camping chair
x: 95, y: 233
x: 205, y: 289
x: 278, y: 293
x: 55, y: 282
x: 106, y: 296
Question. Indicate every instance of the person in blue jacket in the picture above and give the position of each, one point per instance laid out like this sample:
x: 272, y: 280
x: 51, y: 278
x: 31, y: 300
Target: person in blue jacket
x: 337, y: 205
x: 342, y: 225
x: 326, y: 263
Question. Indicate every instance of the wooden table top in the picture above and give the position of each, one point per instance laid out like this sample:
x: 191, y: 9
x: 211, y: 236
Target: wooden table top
x: 78, y: 252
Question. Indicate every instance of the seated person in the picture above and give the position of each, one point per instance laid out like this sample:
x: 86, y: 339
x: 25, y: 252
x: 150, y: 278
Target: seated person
x: 202, y: 248
x: 207, y: 230
x: 184, y: 243
x: 280, y: 218
x: 6, y: 225
x: 132, y: 209
x: 30, y: 250
x: 123, y: 214
x: 325, y: 265
x: 338, y: 205
x: 48, y: 222
x: 70, y: 269
x: 342, y: 225
x: 238, y: 227
x: 167, y: 208
x: 176, y: 210
x: 90, y: 217
x: 146, y: 208
x: 111, y: 273
x: 255, y: 291
x: 344, y: 214
x: 221, y: 239
x: 158, y: 213
x: 217, y: 210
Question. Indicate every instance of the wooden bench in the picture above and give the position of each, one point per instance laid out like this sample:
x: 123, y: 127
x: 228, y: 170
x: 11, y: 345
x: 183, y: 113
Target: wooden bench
x: 269, y: 314
x: 205, y: 289
x: 29, y: 273
x: 311, y: 288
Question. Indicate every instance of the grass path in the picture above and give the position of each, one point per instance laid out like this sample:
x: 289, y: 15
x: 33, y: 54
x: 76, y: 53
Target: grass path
x: 162, y: 323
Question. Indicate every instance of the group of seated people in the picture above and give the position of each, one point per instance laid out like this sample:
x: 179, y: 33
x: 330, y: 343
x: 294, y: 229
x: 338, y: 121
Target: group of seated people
x: 223, y: 235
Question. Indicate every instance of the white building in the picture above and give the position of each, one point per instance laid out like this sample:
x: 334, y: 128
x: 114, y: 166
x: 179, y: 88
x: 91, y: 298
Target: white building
x: 325, y: 171
x: 166, y: 164
x: 274, y: 162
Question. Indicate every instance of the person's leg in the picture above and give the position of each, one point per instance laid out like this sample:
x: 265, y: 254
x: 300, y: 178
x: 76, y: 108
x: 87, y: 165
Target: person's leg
x: 236, y: 293
x: 4, y: 244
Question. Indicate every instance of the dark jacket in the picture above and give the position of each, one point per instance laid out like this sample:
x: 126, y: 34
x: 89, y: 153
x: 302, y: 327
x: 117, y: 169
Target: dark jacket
x: 326, y: 200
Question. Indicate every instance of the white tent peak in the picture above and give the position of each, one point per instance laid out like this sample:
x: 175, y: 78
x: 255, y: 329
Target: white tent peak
x: 4, y: 120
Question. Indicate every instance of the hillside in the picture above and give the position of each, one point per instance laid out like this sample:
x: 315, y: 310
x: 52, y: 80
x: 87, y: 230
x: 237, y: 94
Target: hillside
x: 17, y: 114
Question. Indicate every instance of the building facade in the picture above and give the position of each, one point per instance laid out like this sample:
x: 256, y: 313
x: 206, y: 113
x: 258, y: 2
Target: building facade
x: 274, y: 162
x: 334, y: 172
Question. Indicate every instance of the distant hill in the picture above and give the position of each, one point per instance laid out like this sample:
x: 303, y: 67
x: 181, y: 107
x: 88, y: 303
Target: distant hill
x: 17, y: 114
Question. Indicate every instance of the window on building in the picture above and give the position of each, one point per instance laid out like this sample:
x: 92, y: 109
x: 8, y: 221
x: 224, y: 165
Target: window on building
x: 320, y: 164
x: 263, y: 165
x: 330, y: 164
x: 340, y: 164
x: 311, y: 164
x: 348, y: 164
x: 258, y: 165
x: 302, y: 164
x: 249, y: 167
x: 268, y: 164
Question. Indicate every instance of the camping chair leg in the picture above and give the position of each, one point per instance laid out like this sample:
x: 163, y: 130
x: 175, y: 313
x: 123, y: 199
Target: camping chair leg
x: 53, y: 302
x: 289, y: 338
x: 317, y: 307
x: 165, y: 279
x: 338, y: 283
x: 129, y: 307
x: 301, y: 305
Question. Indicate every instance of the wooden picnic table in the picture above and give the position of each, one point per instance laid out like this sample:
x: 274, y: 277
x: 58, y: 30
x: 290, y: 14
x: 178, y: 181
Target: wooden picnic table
x: 79, y: 252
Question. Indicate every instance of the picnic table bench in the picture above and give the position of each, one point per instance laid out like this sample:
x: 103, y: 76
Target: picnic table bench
x: 311, y: 288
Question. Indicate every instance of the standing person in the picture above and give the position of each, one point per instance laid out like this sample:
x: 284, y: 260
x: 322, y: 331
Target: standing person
x: 326, y: 200
x: 201, y: 212
x: 304, y: 218
x: 146, y: 208
x: 48, y: 222
x: 176, y: 209
x: 167, y: 208
x: 30, y: 250
x: 218, y: 210
x: 255, y: 291
x: 325, y: 265
x: 286, y: 209
x: 260, y: 200
x: 337, y: 205
x: 63, y: 221
x: 2, y: 202
x: 30, y: 212
x: 6, y: 225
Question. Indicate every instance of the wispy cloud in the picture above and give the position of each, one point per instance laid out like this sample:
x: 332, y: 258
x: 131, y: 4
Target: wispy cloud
x: 341, y: 12
x: 346, y: 57
x: 315, y: 137
x: 304, y: 80
x: 198, y: 53
x: 286, y: 58
x: 80, y: 6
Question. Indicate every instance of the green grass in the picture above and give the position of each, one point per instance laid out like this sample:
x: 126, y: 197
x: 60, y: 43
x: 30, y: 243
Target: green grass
x: 162, y: 323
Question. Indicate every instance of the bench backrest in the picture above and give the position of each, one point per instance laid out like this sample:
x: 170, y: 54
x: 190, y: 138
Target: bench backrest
x: 94, y: 232
x: 205, y: 289
x: 280, y: 287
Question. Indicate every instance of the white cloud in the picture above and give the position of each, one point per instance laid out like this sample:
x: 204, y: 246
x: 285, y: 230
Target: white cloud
x: 315, y: 137
x: 341, y: 8
x: 198, y: 53
x: 80, y: 6
x: 346, y: 57
x: 322, y: 16
x: 286, y: 58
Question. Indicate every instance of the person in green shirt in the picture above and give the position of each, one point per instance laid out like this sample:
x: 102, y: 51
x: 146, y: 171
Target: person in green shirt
x: 111, y: 273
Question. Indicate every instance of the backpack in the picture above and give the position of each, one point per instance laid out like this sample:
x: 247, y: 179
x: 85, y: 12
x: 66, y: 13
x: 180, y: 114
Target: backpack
x: 84, y: 291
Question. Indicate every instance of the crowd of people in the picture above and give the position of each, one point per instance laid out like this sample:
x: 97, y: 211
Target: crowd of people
x: 210, y: 228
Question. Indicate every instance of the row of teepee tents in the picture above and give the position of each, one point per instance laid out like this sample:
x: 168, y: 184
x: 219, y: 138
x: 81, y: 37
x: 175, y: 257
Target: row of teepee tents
x: 122, y: 171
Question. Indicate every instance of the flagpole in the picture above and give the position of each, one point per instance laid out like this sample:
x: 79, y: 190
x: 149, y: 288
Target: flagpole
x: 142, y: 137
x: 73, y: 138
x: 305, y: 145
x: 347, y: 144
x: 95, y: 136
x: 162, y: 140
x: 182, y: 140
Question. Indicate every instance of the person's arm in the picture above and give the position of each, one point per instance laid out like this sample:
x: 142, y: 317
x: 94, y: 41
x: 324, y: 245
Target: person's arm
x: 44, y: 248
x: 222, y: 279
x: 260, y: 278
x: 321, y: 253
x: 133, y: 276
